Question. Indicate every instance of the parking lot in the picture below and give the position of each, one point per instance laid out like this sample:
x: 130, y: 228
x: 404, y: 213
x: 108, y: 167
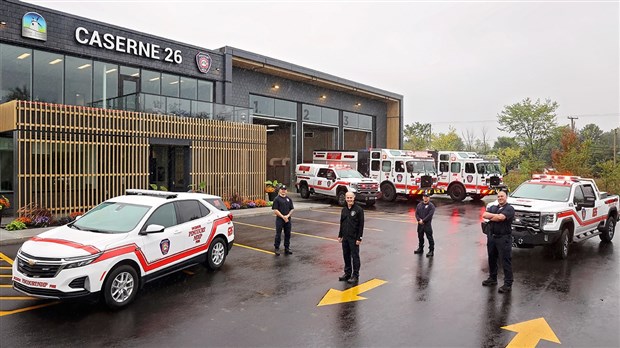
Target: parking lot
x: 259, y: 299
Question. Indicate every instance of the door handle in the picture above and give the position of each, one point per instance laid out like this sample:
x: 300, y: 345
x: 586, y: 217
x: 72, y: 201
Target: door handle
x: 177, y: 232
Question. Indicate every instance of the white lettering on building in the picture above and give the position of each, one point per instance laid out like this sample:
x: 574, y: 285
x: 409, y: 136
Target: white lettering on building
x: 126, y: 45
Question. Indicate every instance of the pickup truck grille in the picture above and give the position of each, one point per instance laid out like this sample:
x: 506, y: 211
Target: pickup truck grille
x: 526, y: 219
x: 368, y: 187
x: 426, y: 181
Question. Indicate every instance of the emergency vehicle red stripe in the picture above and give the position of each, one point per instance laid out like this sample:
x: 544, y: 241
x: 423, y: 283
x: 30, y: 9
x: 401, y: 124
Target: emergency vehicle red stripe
x: 146, y: 266
x: 330, y: 187
x: 579, y: 221
x: 609, y: 201
x: 88, y: 248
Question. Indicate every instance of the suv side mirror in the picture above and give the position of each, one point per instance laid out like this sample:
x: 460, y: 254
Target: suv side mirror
x: 154, y: 228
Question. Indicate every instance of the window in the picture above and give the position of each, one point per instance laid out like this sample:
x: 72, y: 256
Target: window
x: 386, y: 166
x: 262, y: 105
x: 216, y: 202
x: 322, y: 173
x: 150, y: 82
x: 350, y: 119
x: 189, y: 88
x: 470, y: 168
x: 443, y: 167
x: 205, y: 90
x: 105, y: 84
x: 579, y: 198
x: 112, y: 217
x: 375, y: 155
x: 588, y: 192
x: 285, y: 109
x: 165, y: 216
x: 330, y: 175
x: 48, y: 77
x: 444, y: 157
x: 375, y: 165
x: 169, y: 85
x: 188, y: 210
x: 6, y: 164
x: 400, y: 167
x: 455, y: 167
x: 15, y: 73
x: 78, y: 81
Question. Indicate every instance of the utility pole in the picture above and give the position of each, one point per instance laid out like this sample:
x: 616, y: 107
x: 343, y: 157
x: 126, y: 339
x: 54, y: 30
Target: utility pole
x: 615, y: 146
x: 572, y: 122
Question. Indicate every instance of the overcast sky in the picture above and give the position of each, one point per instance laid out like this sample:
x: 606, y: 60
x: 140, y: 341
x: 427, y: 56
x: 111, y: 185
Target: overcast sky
x: 455, y: 63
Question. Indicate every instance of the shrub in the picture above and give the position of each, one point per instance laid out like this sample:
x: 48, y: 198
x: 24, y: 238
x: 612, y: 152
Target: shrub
x: 227, y: 204
x: 25, y: 220
x: 34, y: 211
x: 75, y: 214
x: 15, y: 225
x: 235, y: 206
x: 260, y: 203
x: 4, y: 203
x: 41, y: 221
x: 64, y: 220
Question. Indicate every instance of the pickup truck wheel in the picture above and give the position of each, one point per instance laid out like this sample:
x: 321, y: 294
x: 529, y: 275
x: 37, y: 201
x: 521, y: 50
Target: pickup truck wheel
x: 608, y: 232
x: 561, y: 246
x: 457, y: 192
x: 388, y: 192
x: 216, y: 254
x: 304, y: 192
x: 342, y: 198
x: 120, y: 287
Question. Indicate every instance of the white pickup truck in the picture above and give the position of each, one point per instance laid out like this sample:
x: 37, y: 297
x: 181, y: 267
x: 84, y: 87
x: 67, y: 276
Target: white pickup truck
x: 335, y: 181
x: 557, y: 210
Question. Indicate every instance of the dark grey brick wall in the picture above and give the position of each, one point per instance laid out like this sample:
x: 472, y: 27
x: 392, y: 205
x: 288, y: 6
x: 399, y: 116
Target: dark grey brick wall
x: 61, y: 39
x: 246, y: 82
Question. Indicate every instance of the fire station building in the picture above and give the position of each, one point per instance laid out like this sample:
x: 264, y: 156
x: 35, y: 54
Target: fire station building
x: 89, y: 109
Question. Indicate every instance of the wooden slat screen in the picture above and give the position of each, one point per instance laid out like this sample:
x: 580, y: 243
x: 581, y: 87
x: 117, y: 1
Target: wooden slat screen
x: 72, y: 158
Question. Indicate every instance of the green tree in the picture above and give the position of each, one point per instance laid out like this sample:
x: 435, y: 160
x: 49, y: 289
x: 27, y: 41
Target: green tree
x: 448, y: 141
x: 610, y: 177
x: 530, y: 122
x: 505, y: 142
x: 417, y: 136
x: 573, y: 155
x: 510, y: 157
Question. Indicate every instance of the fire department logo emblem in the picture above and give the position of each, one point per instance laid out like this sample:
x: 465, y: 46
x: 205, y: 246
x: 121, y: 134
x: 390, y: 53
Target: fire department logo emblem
x: 164, y: 246
x: 203, y: 61
x: 470, y: 178
x: 399, y: 177
x: 583, y: 214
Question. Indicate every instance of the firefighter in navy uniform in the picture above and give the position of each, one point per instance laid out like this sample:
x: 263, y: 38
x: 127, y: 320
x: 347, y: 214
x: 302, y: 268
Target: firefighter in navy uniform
x: 499, y: 241
x: 350, y: 235
x: 283, y: 209
x: 424, y: 215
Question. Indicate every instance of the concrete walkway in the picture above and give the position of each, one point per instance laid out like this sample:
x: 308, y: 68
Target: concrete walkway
x: 17, y: 237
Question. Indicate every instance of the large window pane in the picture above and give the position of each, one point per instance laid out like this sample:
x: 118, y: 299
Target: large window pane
x: 47, y: 77
x: 169, y: 85
x: 189, y: 88
x: 105, y: 84
x: 365, y: 122
x: 6, y: 164
x: 154, y: 104
x: 329, y: 116
x: 78, y: 81
x: 202, y: 109
x: 311, y: 113
x: 15, y: 73
x: 286, y: 109
x: 150, y: 81
x: 350, y: 120
x: 262, y: 105
x: 205, y: 90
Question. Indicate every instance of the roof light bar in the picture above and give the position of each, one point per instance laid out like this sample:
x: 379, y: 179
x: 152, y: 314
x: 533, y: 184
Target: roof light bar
x: 162, y: 194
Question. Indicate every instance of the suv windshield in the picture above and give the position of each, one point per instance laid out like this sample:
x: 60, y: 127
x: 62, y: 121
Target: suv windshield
x: 111, y: 217
x: 348, y: 173
x: 555, y: 193
x: 421, y: 167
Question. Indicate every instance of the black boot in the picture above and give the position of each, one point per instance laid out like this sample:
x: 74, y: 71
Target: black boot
x: 430, y: 254
x: 419, y: 250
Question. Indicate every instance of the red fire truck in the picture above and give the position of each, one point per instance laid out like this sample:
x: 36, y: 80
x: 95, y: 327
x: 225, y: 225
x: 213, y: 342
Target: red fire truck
x: 399, y: 172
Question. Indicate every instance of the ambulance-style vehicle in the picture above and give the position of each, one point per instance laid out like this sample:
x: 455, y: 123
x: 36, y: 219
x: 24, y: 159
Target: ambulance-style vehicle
x: 463, y: 174
x: 399, y: 172
x: 124, y: 242
x: 334, y: 181
x: 556, y: 210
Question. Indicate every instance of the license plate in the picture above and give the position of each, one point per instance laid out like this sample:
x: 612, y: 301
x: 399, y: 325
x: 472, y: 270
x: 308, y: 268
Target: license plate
x: 371, y: 198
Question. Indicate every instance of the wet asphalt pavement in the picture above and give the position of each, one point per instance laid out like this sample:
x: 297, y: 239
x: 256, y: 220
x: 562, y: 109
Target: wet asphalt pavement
x: 261, y: 300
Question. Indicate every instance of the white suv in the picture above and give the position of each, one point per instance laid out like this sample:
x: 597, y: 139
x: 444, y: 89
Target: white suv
x: 123, y: 243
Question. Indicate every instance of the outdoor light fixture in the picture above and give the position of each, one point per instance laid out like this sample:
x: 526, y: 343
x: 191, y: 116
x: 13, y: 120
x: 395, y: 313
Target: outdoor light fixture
x: 358, y: 104
x: 323, y: 96
x: 2, y: 23
x: 276, y: 86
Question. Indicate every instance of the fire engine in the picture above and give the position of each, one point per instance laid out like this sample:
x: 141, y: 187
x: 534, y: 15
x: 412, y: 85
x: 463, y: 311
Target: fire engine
x: 399, y: 172
x: 464, y: 174
x: 335, y: 180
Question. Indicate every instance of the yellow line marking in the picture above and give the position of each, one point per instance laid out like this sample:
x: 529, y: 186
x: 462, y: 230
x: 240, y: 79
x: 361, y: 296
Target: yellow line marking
x: 377, y: 218
x: 5, y: 276
x: 6, y: 286
x: 299, y: 233
x: 334, y: 223
x: 188, y: 272
x: 256, y: 249
x: 6, y: 267
x: 10, y: 298
x: 6, y: 258
x: 3, y: 313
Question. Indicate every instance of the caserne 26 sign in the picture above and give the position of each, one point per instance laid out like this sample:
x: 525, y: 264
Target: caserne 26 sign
x: 126, y: 45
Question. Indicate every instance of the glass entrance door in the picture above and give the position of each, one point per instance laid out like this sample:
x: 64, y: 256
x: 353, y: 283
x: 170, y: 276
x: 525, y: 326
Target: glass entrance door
x: 169, y: 167
x: 128, y: 90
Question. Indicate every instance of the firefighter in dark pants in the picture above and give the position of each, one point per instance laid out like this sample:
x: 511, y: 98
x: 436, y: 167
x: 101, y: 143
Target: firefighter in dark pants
x: 283, y: 209
x: 350, y: 235
x: 499, y: 241
x: 424, y: 215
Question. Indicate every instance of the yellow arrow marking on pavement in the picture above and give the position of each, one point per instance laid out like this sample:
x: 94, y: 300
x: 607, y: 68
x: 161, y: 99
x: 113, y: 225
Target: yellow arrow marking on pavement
x: 530, y: 332
x: 334, y: 296
x: 6, y: 258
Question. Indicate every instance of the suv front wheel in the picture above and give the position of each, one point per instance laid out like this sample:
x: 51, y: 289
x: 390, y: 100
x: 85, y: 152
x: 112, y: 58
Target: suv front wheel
x: 216, y: 254
x: 120, y: 287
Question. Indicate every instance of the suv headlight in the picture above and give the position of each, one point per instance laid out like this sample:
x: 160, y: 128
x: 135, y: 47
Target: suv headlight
x: 548, y: 218
x: 80, y: 261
